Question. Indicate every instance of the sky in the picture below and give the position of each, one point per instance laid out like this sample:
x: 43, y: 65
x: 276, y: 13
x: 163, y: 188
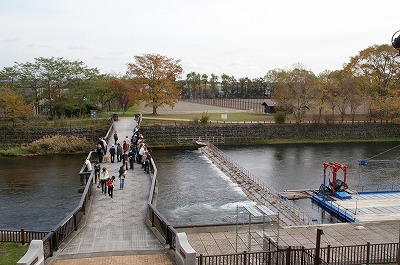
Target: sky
x: 240, y: 38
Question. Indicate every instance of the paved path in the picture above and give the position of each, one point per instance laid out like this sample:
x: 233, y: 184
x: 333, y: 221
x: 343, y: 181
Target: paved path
x: 115, y: 231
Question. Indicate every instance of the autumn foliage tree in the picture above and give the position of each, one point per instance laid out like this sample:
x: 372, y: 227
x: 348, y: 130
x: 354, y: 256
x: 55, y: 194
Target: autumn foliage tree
x: 156, y: 77
x: 12, y: 105
x: 123, y: 93
x: 377, y: 71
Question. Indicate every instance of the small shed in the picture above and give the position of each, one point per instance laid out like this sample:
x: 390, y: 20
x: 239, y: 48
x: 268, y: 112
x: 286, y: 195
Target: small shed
x: 269, y: 107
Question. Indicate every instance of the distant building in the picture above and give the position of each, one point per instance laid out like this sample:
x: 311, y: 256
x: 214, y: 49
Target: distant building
x: 269, y: 106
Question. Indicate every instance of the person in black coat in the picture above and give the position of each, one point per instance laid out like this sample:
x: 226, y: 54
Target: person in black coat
x: 131, y: 156
x: 99, y: 151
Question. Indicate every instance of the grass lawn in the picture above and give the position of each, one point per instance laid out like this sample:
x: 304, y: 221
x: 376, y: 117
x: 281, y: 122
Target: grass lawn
x: 231, y: 117
x: 10, y: 253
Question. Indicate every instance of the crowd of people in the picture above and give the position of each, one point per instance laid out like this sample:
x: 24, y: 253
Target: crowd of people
x: 131, y: 150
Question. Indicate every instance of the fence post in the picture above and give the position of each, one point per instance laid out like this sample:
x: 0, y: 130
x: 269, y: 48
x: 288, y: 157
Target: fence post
x: 245, y: 258
x: 201, y: 259
x: 22, y: 236
x: 288, y: 253
x: 318, y: 246
x: 328, y: 254
x: 368, y: 253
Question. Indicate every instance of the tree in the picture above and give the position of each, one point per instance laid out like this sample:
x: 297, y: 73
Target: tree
x: 12, y: 105
x: 377, y: 71
x: 123, y: 93
x: 294, y: 89
x: 53, y: 84
x: 156, y: 76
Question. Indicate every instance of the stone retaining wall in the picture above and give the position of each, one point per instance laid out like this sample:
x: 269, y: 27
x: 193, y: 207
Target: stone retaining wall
x: 23, y: 135
x: 247, y: 133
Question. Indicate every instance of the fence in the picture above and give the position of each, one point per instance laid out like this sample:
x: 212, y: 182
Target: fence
x: 359, y: 254
x: 20, y: 236
x: 254, y: 105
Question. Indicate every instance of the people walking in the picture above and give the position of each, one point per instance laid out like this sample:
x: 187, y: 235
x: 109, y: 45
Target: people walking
x: 115, y: 137
x: 131, y: 157
x: 121, y: 177
x: 112, y: 153
x: 99, y: 152
x: 104, y: 176
x: 97, y: 173
x: 110, y: 186
x: 119, y: 152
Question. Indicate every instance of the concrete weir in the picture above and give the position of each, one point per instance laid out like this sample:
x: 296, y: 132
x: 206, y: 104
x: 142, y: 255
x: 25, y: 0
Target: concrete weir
x: 255, y: 190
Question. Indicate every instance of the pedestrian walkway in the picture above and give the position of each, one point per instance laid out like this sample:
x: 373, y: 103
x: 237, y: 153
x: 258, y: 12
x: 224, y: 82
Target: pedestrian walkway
x: 114, y: 231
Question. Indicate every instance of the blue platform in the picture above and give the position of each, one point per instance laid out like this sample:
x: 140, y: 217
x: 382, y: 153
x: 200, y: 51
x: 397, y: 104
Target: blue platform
x: 334, y: 209
x: 342, y: 195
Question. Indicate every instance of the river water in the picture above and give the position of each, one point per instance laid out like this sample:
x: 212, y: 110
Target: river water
x: 193, y: 191
x: 38, y: 192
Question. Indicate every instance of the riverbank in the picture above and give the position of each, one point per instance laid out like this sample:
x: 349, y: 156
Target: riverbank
x: 252, y: 134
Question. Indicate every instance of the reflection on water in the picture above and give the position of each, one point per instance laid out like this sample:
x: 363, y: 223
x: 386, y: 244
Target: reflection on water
x: 36, y: 193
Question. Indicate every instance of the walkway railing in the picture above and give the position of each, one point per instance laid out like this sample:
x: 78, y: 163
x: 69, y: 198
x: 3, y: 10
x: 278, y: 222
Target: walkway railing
x: 56, y: 236
x: 154, y: 217
x: 20, y: 236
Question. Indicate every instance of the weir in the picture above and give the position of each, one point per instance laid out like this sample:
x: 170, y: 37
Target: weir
x: 257, y: 191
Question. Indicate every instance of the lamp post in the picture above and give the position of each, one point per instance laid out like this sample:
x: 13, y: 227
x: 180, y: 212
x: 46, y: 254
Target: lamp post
x: 396, y: 41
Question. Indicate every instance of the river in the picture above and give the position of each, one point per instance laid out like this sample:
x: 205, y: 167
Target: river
x: 38, y: 192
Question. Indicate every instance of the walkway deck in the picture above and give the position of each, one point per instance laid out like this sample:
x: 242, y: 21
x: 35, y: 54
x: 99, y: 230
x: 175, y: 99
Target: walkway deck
x: 115, y: 231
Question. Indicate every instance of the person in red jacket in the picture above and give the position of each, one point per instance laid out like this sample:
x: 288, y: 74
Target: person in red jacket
x: 110, y: 186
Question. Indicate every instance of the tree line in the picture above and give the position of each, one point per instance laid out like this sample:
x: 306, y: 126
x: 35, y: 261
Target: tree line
x: 57, y: 87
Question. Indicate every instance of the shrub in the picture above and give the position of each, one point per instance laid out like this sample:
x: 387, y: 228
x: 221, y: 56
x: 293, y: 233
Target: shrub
x: 204, y: 118
x: 280, y: 117
x: 59, y: 144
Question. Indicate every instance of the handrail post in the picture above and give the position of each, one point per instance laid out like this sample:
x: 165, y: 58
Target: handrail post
x: 288, y: 255
x: 75, y: 223
x: 22, y: 236
x: 368, y: 253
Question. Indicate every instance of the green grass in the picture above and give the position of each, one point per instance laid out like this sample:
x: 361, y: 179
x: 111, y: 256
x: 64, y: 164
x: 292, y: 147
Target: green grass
x: 10, y: 253
x: 231, y: 117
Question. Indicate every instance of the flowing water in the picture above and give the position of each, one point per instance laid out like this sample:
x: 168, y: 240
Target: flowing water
x: 38, y: 192
x: 193, y: 191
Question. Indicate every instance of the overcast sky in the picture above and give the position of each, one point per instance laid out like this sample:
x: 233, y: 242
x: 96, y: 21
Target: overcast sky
x: 236, y: 37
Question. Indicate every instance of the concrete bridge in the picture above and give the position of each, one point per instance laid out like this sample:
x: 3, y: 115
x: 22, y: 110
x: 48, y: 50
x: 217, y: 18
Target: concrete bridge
x: 115, y: 231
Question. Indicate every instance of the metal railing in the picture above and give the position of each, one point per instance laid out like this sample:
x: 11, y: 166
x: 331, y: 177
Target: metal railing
x: 66, y: 227
x: 155, y: 218
x: 192, y: 139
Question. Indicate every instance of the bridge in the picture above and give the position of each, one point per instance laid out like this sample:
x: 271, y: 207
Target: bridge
x: 114, y: 230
